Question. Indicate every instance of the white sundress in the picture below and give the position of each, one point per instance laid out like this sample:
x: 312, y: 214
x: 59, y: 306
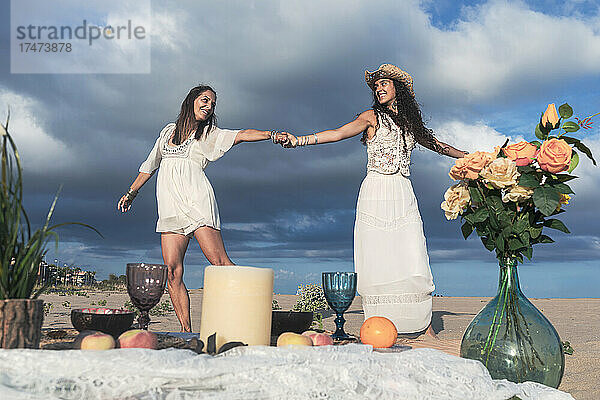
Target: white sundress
x: 390, y: 253
x: 185, y: 197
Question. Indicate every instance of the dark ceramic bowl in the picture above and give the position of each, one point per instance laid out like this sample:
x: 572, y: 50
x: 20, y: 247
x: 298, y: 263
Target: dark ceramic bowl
x: 290, y: 321
x: 108, y: 320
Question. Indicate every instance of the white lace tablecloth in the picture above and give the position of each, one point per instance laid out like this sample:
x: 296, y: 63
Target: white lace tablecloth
x: 330, y: 372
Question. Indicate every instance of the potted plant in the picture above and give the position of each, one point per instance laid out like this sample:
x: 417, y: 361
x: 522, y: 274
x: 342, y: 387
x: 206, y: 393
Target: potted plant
x: 509, y: 197
x: 21, y: 252
x: 306, y: 313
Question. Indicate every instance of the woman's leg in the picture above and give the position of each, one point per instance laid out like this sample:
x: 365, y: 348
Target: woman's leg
x: 212, y: 246
x: 174, y: 246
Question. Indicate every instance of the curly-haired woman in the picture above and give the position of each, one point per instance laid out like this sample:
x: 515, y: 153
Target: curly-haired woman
x: 186, y: 202
x: 390, y: 254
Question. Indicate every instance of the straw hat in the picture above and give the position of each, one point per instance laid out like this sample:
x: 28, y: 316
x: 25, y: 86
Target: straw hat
x: 391, y: 72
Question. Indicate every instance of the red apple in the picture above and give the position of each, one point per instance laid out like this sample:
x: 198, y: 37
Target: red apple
x: 138, y: 338
x: 319, y: 339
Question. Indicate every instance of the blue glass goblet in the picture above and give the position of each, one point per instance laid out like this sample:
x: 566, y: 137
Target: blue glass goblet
x: 339, y: 289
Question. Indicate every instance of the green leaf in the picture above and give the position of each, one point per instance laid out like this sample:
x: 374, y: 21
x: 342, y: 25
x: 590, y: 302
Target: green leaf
x: 574, y: 161
x: 565, y: 177
x: 570, y: 126
x: 514, y: 244
x: 556, y: 224
x: 585, y: 150
x: 483, y: 229
x: 466, y: 229
x: 536, y: 143
x: 535, y: 232
x: 475, y: 195
x: 565, y: 111
x: 522, y: 223
x: 505, y: 218
x: 480, y: 215
x: 546, y: 199
x: 495, y: 203
x: 529, y: 180
x: 538, y: 132
x: 569, y: 139
x: 524, y: 169
x: 545, y: 239
x: 488, y: 243
x: 562, y: 188
x: 525, y: 238
x: 500, y: 243
x: 528, y: 252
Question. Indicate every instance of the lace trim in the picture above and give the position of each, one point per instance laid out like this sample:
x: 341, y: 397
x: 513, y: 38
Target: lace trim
x: 181, y: 150
x: 388, y: 225
x: 405, y: 298
x: 385, y: 154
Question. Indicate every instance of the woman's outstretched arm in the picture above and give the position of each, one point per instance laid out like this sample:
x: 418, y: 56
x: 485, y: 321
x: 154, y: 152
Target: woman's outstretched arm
x: 364, y: 121
x: 447, y: 150
x: 254, y: 135
x: 125, y: 201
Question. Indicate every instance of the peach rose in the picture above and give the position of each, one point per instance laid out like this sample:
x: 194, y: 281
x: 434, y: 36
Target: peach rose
x: 517, y: 194
x: 470, y: 165
x: 521, y: 153
x: 456, y: 198
x: 550, y: 117
x: 554, y: 155
x: 501, y: 173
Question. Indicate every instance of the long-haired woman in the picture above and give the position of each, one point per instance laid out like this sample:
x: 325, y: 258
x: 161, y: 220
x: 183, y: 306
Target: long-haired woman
x: 390, y: 254
x: 186, y: 202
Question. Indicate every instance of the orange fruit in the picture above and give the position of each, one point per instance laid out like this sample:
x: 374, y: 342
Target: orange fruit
x: 378, y: 332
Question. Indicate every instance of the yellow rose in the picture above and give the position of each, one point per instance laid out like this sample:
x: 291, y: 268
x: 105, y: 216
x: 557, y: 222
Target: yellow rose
x: 456, y: 198
x: 501, y: 173
x: 550, y: 117
x: 517, y: 194
x: 564, y: 199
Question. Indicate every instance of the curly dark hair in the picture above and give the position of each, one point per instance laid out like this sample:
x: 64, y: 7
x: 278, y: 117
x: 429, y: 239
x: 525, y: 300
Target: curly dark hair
x: 408, y: 118
x: 186, y: 121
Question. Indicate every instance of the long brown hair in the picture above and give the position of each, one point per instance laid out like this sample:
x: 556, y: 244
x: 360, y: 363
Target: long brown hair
x: 408, y: 118
x: 186, y: 121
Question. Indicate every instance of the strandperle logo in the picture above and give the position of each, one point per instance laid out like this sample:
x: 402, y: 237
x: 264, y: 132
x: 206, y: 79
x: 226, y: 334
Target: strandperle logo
x: 80, y: 36
x: 84, y: 31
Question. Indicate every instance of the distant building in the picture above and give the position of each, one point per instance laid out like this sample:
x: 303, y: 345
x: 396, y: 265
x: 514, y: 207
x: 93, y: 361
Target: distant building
x: 52, y: 274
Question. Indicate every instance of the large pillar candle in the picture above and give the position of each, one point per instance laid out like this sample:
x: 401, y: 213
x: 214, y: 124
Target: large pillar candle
x: 237, y: 304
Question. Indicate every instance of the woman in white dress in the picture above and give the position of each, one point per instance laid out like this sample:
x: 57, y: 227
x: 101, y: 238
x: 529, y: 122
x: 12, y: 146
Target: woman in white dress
x: 390, y: 254
x: 186, y: 201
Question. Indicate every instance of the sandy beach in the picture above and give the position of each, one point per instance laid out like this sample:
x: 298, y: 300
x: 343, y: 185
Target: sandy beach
x: 576, y: 320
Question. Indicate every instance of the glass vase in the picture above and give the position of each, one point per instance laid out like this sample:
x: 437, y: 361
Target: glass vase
x: 512, y: 338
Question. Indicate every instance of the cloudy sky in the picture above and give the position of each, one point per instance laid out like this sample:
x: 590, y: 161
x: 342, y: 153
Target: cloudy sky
x: 483, y: 72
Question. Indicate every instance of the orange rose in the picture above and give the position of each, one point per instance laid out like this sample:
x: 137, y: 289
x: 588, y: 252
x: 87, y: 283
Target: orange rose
x: 469, y: 166
x: 554, y: 156
x: 522, y: 153
x: 550, y: 117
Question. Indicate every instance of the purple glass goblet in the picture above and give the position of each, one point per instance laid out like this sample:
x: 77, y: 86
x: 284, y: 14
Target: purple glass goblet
x: 145, y: 285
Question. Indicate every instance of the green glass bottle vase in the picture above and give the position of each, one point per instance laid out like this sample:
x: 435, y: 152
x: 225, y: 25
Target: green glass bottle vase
x: 512, y: 338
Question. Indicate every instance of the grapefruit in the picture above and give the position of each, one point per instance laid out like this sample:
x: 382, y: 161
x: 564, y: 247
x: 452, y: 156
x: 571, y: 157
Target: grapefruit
x: 379, y: 332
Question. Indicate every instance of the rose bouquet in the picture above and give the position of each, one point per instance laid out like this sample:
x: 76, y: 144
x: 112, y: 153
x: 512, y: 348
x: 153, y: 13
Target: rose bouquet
x: 509, y: 197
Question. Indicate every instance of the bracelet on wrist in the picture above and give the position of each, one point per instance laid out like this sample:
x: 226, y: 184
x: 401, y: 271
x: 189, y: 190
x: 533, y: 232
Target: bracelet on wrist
x: 131, y: 194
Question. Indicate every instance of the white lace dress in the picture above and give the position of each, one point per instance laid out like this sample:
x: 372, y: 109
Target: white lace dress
x: 185, y: 197
x: 390, y: 253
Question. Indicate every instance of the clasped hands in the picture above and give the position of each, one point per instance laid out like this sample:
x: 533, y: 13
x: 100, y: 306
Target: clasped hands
x: 285, y: 139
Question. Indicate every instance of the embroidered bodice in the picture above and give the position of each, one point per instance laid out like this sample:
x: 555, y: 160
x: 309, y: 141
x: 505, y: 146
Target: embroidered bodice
x: 389, y: 150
